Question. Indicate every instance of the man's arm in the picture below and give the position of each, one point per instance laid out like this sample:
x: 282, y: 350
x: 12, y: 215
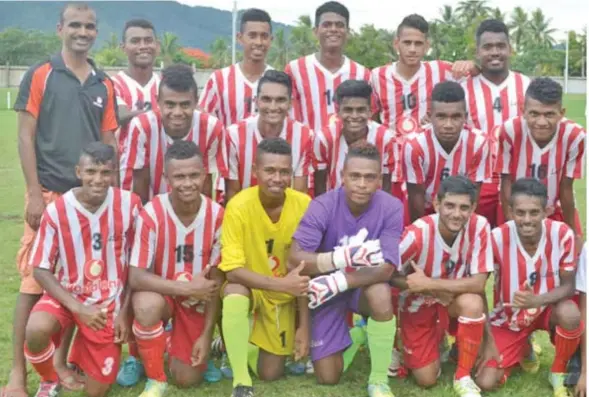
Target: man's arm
x: 213, y: 308
x: 565, y: 290
x: 27, y: 127
x: 232, y: 187
x: 386, y: 183
x: 253, y: 280
x: 416, y: 200
x: 125, y: 115
x: 474, y: 284
x: 505, y: 194
x: 141, y: 183
x: 52, y: 287
x: 110, y: 139
x: 567, y: 202
x: 207, y: 187
x: 144, y: 280
x: 320, y: 182
x: 299, y: 183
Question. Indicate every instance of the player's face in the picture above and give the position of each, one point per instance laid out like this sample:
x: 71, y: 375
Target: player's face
x: 542, y: 119
x: 528, y: 213
x: 256, y: 40
x: 96, y: 178
x: 493, y: 52
x: 274, y: 173
x: 448, y: 121
x: 185, y: 178
x: 177, y: 109
x: 454, y: 211
x: 273, y: 103
x: 361, y: 178
x: 140, y: 46
x: 354, y: 113
x: 411, y: 45
x: 78, y: 30
x: 331, y: 31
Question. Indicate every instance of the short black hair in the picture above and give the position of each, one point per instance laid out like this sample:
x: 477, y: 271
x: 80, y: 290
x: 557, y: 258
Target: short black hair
x: 492, y: 26
x: 178, y: 77
x: 99, y: 152
x: 75, y: 5
x: 363, y: 150
x: 137, y: 23
x: 414, y: 21
x: 354, y: 89
x: 458, y: 184
x: 275, y: 145
x: 182, y: 150
x: 448, y: 92
x: 529, y: 187
x: 332, y: 6
x: 545, y: 90
x: 254, y: 15
x: 278, y: 77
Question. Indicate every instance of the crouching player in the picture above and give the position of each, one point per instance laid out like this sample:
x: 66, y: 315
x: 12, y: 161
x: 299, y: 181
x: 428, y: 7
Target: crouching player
x: 356, y: 225
x: 448, y: 257
x: 535, y: 277
x: 80, y: 256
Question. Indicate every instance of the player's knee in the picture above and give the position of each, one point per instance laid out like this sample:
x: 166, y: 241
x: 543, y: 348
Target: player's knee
x: 270, y: 374
x: 380, y: 302
x: 426, y: 380
x: 489, y: 379
x: 328, y: 378
x: 185, y: 379
x: 38, y: 332
x: 567, y: 314
x: 236, y: 289
x: 470, y: 305
x: 148, y: 307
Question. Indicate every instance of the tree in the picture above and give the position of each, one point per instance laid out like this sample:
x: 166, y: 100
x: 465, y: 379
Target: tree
x: 110, y: 54
x: 170, y: 47
x: 496, y: 13
x: 469, y: 10
x: 370, y: 46
x: 519, y: 27
x: 220, y: 53
x: 279, y: 52
x: 26, y: 47
x: 539, y: 29
x: 302, y: 38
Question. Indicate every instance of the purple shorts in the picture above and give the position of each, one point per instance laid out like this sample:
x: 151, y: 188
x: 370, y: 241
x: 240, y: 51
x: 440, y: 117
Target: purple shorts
x: 330, y: 333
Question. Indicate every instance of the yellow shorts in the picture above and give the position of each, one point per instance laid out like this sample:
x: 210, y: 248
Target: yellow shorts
x: 273, y: 327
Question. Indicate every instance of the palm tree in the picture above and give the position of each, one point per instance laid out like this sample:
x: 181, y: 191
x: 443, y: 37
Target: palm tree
x: 169, y: 47
x: 220, y: 53
x: 279, y: 51
x: 540, y: 30
x: 469, y: 10
x: 519, y: 27
x: 447, y: 15
x: 302, y: 38
x: 496, y: 13
x: 112, y: 42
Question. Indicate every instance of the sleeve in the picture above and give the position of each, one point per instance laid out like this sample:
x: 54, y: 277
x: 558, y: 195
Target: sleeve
x: 581, y: 281
x: 209, y: 99
x: 391, y: 234
x: 312, y: 226
x: 413, y: 162
x: 388, y: 156
x: 481, y: 169
x: 119, y: 93
x: 576, y: 157
x: 45, y: 249
x: 374, y: 99
x: 232, y: 155
x: 321, y: 151
x: 305, y: 164
x: 110, y: 117
x: 216, y: 154
x: 481, y: 260
x: 135, y: 152
x: 31, y: 90
x: 567, y: 248
x: 136, y: 206
x: 143, y: 248
x: 232, y: 240
x: 374, y: 82
x: 503, y: 144
x: 216, y: 251
x: 411, y: 245
x: 296, y: 112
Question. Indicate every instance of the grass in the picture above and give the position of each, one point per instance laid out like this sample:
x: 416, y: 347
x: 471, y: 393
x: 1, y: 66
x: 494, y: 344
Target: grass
x: 353, y: 383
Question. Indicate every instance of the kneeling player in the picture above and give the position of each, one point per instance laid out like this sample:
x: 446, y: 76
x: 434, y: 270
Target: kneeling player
x: 449, y: 257
x: 177, y: 239
x: 85, y: 234
x: 535, y: 277
x: 257, y: 231
x: 353, y: 226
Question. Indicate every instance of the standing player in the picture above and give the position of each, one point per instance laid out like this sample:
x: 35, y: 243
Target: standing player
x: 136, y: 88
x: 257, y: 230
x: 151, y: 133
x: 534, y: 279
x: 353, y: 125
x: 581, y: 286
x: 80, y: 259
x: 49, y: 114
x: 447, y: 147
x: 273, y: 103
x: 493, y: 97
x: 177, y: 242
x: 448, y: 257
x: 331, y: 236
x: 542, y: 144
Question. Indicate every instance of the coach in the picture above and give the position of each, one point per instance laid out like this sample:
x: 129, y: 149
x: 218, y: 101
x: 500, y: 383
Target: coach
x: 63, y: 104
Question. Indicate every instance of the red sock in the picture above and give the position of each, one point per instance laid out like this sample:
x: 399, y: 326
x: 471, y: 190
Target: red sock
x: 565, y: 344
x: 151, y: 344
x: 468, y: 338
x: 133, y: 350
x: 43, y: 363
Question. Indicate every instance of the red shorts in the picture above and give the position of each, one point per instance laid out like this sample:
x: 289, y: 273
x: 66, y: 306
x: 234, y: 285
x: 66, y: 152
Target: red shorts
x: 188, y: 325
x: 422, y: 333
x: 488, y: 205
x: 93, y: 351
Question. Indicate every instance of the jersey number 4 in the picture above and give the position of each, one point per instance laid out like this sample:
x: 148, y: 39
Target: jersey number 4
x: 497, y: 105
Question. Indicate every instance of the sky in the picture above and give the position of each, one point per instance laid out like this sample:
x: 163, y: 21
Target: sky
x: 565, y: 14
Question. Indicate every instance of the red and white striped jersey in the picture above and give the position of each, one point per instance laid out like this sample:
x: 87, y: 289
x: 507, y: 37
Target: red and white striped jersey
x: 330, y: 149
x: 426, y: 162
x: 313, y: 88
x: 404, y: 103
x: 470, y: 254
x: 164, y: 245
x: 520, y: 156
x: 229, y: 95
x: 88, y: 251
x: 147, y: 143
x: 243, y: 139
x: 515, y: 269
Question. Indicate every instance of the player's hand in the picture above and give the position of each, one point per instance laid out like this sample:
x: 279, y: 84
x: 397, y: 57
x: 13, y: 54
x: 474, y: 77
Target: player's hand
x: 121, y: 329
x: 34, y: 210
x: 202, y: 288
x: 417, y: 281
x: 490, y: 352
x: 524, y: 298
x: 301, y: 343
x: 321, y: 290
x: 200, y: 350
x: 92, y: 316
x: 581, y: 387
x: 293, y: 283
x: 357, y: 256
x: 461, y: 69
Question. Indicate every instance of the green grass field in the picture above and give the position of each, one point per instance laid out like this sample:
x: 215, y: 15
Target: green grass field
x: 353, y: 383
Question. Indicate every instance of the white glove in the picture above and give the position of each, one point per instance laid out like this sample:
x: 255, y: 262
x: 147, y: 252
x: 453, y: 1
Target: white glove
x: 357, y: 256
x: 324, y: 288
